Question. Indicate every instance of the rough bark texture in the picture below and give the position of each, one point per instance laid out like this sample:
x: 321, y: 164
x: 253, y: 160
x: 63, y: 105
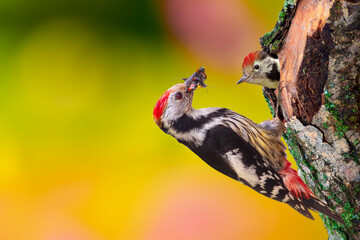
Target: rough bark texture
x: 318, y: 44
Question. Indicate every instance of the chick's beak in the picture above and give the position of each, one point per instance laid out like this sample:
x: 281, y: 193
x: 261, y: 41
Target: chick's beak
x: 243, y: 79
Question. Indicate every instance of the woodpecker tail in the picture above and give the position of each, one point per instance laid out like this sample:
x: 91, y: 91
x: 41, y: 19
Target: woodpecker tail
x: 304, y: 199
x: 319, y: 206
x: 303, y: 206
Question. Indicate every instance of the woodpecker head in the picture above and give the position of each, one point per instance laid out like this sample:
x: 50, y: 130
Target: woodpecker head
x: 262, y: 69
x: 173, y: 104
x: 177, y: 100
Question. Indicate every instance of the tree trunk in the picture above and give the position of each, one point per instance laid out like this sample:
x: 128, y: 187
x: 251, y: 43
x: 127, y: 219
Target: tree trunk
x: 318, y: 44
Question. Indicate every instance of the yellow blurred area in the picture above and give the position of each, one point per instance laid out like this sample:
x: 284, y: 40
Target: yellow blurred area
x: 81, y: 157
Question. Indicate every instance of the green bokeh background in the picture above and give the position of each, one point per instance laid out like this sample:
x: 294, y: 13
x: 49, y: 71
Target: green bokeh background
x: 81, y: 157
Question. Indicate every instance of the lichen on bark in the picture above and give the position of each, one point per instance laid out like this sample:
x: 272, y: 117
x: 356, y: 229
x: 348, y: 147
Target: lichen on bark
x: 319, y: 97
x: 272, y: 40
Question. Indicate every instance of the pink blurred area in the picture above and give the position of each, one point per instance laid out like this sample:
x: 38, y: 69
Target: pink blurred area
x: 200, y: 209
x: 220, y: 32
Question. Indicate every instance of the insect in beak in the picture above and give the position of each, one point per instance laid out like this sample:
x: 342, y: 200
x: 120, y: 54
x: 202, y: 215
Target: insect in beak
x: 196, y: 80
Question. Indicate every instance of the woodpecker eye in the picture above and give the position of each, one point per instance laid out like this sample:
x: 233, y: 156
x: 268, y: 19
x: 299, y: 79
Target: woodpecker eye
x: 257, y: 67
x: 178, y: 95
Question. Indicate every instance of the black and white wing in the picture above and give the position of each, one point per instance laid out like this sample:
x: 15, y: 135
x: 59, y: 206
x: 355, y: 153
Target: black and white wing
x: 228, y: 153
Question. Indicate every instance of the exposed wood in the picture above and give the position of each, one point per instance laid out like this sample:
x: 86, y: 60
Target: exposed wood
x: 306, y: 26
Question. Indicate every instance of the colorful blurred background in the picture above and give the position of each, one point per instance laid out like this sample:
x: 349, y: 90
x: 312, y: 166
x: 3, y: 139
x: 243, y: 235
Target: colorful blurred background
x: 82, y: 159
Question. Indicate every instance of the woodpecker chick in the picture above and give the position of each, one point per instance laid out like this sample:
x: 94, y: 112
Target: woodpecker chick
x: 232, y: 144
x: 262, y: 69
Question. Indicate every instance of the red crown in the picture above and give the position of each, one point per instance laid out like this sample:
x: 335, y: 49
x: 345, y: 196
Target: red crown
x: 250, y: 59
x: 160, y: 105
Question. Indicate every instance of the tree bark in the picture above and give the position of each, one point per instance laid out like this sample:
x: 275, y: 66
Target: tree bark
x: 318, y: 44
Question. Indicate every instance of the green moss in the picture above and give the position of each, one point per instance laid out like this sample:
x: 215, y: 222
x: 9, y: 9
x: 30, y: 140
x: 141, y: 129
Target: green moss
x: 340, y: 126
x: 356, y: 188
x: 353, y: 119
x: 349, y: 215
x: 333, y: 227
x: 271, y: 41
x: 346, y: 106
x: 301, y: 158
x: 325, y: 176
x: 293, y: 148
x: 331, y: 107
x: 327, y: 94
x: 338, y: 5
x: 346, y: 88
x: 270, y: 106
x: 275, y: 45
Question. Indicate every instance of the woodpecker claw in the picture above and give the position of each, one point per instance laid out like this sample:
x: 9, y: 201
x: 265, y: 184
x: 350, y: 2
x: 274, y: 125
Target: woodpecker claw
x: 196, y: 80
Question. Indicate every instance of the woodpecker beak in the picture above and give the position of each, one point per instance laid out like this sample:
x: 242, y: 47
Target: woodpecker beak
x: 243, y: 79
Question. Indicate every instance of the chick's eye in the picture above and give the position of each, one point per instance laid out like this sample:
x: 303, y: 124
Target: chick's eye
x: 179, y: 95
x: 256, y: 67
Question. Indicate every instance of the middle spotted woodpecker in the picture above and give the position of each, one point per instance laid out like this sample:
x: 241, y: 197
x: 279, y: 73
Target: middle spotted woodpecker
x: 232, y: 144
x: 262, y: 69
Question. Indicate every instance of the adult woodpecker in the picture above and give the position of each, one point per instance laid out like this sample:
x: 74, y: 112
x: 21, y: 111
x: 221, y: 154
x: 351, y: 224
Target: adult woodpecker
x: 262, y: 69
x: 236, y: 146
